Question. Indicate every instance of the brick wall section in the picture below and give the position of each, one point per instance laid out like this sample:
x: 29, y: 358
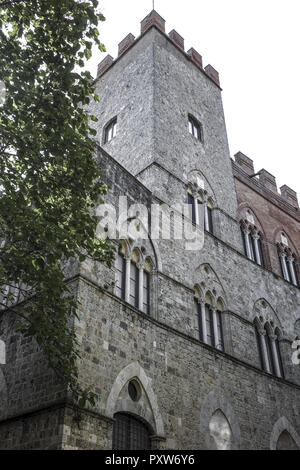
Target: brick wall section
x: 268, y: 180
x: 290, y: 195
x: 213, y: 74
x: 104, y: 65
x: 245, y: 163
x: 277, y: 199
x: 152, y: 19
x: 273, y: 211
x: 127, y: 42
x: 179, y: 41
x: 195, y: 56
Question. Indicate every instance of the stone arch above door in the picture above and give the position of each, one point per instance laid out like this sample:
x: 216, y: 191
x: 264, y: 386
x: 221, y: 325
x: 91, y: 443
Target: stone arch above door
x: 147, y: 408
x: 283, y: 426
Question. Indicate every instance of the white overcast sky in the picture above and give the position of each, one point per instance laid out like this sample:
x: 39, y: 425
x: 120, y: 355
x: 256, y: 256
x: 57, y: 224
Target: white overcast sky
x: 254, y: 45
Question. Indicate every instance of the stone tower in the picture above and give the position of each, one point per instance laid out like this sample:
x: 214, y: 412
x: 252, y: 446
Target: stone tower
x: 185, y: 348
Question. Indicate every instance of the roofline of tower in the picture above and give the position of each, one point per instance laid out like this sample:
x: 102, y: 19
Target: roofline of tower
x: 187, y: 56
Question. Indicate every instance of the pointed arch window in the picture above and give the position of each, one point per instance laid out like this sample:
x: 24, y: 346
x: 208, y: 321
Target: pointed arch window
x: 132, y: 280
x: 252, y: 243
x: 288, y: 264
x: 196, y: 206
x: 209, y: 324
x: 269, y: 349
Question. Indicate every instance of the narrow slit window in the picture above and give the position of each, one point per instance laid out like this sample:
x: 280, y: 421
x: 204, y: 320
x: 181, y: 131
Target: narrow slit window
x: 209, y: 325
x: 199, y: 317
x: 209, y: 220
x: 146, y: 292
x: 120, y: 276
x: 191, y: 207
x: 220, y: 331
x: 134, y: 285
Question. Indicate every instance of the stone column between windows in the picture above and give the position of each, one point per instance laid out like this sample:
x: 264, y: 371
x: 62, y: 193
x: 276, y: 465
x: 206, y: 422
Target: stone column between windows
x: 203, y: 321
x: 275, y: 355
x: 256, y: 248
x: 265, y: 357
x: 127, y: 280
x: 215, y: 326
x: 206, y: 223
x: 284, y: 266
x: 247, y: 241
x: 141, y: 287
x: 292, y: 270
x: 195, y: 196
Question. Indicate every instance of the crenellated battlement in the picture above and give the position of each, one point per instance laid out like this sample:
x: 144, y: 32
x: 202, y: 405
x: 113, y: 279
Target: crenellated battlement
x: 155, y: 20
x: 126, y: 43
x: 265, y: 180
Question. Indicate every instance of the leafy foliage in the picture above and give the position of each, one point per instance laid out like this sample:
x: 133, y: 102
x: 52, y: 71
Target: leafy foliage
x: 49, y: 180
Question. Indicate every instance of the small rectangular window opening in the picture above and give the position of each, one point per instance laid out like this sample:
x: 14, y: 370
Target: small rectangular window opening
x: 195, y: 128
x: 110, y: 131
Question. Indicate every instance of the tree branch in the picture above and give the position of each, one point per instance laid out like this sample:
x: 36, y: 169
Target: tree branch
x: 11, y: 310
x: 10, y: 2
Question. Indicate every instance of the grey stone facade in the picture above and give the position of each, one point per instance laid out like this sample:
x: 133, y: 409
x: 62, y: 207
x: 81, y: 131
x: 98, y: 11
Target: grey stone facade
x: 152, y: 89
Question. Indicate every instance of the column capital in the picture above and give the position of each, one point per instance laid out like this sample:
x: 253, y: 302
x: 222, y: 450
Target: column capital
x: 261, y: 330
x: 246, y: 229
x: 195, y: 193
x: 205, y: 197
x: 272, y: 337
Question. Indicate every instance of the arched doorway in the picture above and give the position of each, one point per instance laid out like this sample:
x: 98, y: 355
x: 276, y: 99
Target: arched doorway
x: 130, y: 433
x: 286, y: 442
x: 220, y: 430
